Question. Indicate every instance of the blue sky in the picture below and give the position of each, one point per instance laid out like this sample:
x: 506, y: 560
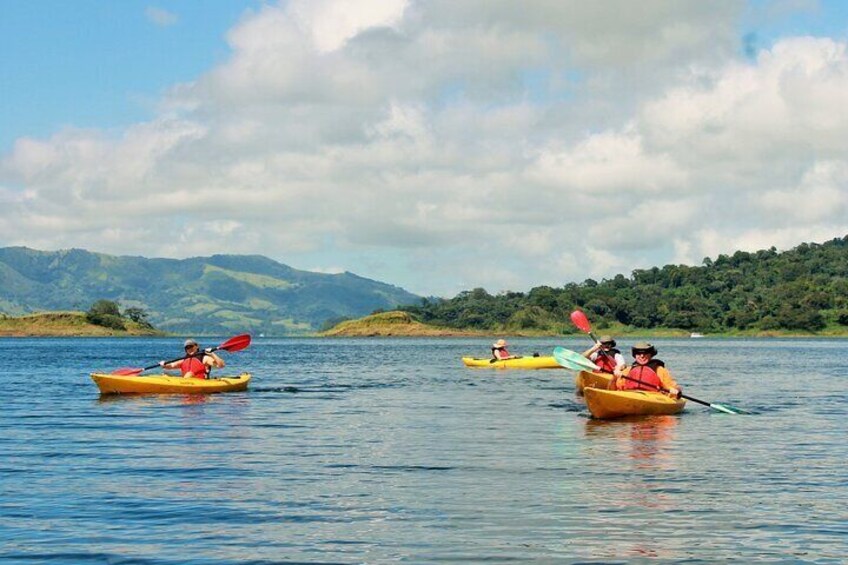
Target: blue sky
x: 95, y: 63
x: 437, y: 145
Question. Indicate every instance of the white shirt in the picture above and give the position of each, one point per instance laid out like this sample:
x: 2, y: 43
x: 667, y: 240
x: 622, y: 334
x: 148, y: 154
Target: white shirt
x: 619, y: 358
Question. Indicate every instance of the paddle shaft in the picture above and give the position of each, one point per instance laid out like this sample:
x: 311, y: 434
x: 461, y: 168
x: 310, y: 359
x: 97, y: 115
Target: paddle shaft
x: 199, y: 355
x: 659, y: 388
x: 580, y: 320
x: 495, y: 360
x: 681, y: 395
x: 236, y: 343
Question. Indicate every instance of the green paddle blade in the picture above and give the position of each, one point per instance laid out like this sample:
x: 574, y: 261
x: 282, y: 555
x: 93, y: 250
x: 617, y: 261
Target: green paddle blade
x: 714, y: 405
x: 573, y: 360
x: 728, y: 409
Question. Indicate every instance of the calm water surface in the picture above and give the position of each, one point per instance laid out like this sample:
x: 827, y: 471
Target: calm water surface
x: 382, y: 450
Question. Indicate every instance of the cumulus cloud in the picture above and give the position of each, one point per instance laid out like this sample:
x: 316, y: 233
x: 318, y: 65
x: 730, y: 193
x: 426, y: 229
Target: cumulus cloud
x: 820, y: 197
x: 447, y: 145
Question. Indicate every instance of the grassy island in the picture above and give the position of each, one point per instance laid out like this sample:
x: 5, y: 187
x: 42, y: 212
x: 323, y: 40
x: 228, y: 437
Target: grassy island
x: 70, y: 324
x: 388, y: 324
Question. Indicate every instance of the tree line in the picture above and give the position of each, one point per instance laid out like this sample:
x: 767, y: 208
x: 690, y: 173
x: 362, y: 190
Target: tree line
x: 107, y: 313
x: 803, y: 289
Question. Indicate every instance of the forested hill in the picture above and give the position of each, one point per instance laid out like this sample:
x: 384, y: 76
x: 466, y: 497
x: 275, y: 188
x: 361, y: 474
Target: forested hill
x: 221, y: 294
x: 803, y: 289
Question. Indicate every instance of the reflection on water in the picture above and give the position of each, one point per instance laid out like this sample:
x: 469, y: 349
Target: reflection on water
x: 637, y: 486
x: 647, y: 437
x: 367, y: 451
x: 156, y: 399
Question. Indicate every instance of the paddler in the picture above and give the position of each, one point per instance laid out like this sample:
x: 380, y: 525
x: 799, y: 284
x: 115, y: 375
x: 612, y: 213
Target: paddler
x: 605, y: 355
x: 196, y: 364
x: 646, y: 373
x: 499, y: 351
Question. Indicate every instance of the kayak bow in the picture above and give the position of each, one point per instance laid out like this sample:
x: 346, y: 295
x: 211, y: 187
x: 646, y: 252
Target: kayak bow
x: 585, y: 379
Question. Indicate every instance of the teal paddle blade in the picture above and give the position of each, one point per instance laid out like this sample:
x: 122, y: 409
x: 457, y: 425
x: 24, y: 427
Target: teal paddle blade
x: 573, y: 360
x: 727, y: 409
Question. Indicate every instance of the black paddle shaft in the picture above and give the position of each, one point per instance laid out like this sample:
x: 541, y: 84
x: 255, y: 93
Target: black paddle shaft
x: 198, y: 355
x: 661, y: 389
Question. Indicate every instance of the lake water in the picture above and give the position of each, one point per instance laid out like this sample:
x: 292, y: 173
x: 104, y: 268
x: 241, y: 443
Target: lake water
x: 383, y: 450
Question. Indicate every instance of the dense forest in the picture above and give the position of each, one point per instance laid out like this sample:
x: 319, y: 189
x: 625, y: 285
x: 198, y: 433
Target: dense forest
x: 803, y: 289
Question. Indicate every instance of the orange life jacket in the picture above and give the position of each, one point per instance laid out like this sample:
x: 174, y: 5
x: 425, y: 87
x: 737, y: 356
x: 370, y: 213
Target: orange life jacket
x: 643, y: 377
x: 194, y: 365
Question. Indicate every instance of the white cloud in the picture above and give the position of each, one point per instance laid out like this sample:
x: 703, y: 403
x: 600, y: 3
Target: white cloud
x: 821, y: 196
x: 449, y: 145
x: 609, y: 163
x: 160, y: 17
x: 331, y: 23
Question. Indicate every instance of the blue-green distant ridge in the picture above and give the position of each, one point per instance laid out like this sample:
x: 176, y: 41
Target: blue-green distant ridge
x: 218, y: 295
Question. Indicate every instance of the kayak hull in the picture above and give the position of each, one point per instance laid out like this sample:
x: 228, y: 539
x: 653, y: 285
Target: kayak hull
x: 585, y: 379
x: 543, y: 362
x: 608, y: 404
x: 166, y: 384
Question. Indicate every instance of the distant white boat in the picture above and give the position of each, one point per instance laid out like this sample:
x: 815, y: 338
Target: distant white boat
x: 696, y: 334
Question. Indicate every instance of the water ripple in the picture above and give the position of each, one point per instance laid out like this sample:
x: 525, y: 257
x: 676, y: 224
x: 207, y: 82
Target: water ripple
x: 363, y: 451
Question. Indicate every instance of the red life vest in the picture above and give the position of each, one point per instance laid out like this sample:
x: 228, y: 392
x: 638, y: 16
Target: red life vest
x: 504, y: 352
x: 644, y: 377
x: 606, y: 360
x: 194, y: 365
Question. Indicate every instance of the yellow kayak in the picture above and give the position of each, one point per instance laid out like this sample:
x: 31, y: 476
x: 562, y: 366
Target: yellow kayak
x: 606, y: 404
x: 166, y: 384
x: 585, y: 379
x: 546, y: 362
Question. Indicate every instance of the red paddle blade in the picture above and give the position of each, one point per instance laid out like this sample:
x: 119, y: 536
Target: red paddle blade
x: 581, y: 321
x: 127, y: 371
x: 236, y: 343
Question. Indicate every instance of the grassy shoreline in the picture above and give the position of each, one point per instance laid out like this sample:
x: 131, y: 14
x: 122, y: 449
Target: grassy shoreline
x: 65, y: 324
x: 386, y: 324
x: 402, y: 324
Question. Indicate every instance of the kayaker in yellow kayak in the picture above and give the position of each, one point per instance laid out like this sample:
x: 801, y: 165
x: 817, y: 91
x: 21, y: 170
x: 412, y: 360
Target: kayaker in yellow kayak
x: 646, y: 373
x: 605, y: 355
x: 196, y: 364
x: 499, y: 351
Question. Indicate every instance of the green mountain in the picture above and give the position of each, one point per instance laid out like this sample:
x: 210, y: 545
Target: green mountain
x: 220, y: 294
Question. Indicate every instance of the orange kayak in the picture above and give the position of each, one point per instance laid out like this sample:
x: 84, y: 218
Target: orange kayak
x: 593, y: 379
x: 166, y: 384
x: 607, y: 404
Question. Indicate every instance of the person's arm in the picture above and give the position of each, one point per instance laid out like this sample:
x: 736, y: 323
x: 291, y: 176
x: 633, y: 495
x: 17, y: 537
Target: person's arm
x: 620, y: 363
x: 589, y: 352
x: 668, y: 382
x: 172, y: 365
x: 210, y: 359
x: 615, y: 381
